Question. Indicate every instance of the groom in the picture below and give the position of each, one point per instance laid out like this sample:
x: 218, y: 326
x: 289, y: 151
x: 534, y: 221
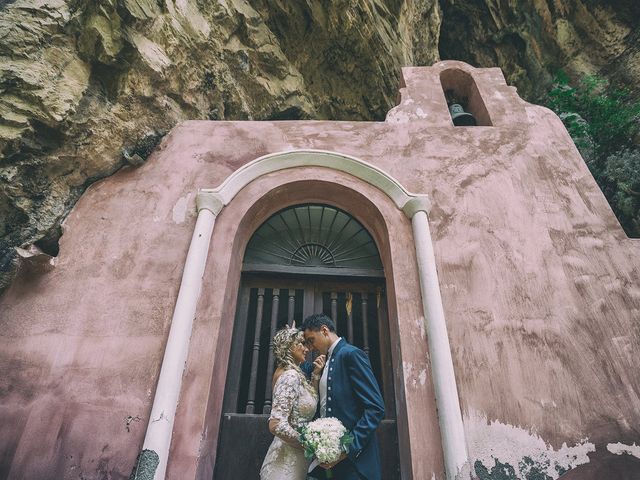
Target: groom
x: 350, y: 393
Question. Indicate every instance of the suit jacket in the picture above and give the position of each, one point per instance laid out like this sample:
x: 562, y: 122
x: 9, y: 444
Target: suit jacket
x: 354, y: 398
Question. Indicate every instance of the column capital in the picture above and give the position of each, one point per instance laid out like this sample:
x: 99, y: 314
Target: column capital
x: 418, y: 203
x: 209, y: 201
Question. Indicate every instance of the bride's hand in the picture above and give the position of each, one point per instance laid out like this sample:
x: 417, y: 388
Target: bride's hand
x: 318, y: 364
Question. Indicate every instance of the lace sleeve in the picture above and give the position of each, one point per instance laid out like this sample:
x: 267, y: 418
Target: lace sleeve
x: 285, y: 396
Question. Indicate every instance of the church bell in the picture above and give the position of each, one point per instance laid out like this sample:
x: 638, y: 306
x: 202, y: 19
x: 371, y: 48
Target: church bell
x: 460, y: 117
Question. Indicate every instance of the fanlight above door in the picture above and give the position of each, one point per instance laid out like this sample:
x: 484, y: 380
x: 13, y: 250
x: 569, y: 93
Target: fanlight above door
x: 313, y: 239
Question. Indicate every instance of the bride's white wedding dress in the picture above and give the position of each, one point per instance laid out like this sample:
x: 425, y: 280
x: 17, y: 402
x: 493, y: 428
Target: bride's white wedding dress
x: 293, y: 406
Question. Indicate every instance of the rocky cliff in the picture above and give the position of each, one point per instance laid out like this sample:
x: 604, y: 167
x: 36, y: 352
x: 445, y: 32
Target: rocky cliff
x: 531, y: 41
x: 88, y: 87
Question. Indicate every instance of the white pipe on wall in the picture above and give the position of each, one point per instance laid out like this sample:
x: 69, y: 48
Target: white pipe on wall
x: 449, y: 415
x: 165, y: 401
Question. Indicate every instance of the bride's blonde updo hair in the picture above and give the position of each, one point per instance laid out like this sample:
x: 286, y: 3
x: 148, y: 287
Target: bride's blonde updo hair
x: 283, y: 340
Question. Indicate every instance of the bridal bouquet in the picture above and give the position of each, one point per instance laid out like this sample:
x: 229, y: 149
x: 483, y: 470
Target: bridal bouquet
x: 325, y: 439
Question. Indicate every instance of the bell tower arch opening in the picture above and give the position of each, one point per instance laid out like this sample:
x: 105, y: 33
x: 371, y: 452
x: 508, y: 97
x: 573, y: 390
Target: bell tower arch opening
x: 466, y: 105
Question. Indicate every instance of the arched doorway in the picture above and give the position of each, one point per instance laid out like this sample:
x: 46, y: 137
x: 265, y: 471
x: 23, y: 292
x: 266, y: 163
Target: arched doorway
x: 303, y: 259
x: 214, y: 266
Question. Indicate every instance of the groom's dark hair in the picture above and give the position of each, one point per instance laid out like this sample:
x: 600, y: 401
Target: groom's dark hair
x: 316, y: 321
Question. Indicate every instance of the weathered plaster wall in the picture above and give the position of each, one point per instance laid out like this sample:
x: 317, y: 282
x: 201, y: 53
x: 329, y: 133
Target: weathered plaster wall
x: 540, y: 287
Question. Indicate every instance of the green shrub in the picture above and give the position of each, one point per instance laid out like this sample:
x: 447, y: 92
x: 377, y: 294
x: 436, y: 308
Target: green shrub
x: 622, y: 170
x: 604, y: 122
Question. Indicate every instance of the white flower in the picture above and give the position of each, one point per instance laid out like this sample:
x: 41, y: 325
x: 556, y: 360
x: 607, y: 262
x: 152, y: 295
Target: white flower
x: 324, y: 439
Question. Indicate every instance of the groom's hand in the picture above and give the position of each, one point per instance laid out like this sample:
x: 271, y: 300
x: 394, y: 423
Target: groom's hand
x: 327, y: 466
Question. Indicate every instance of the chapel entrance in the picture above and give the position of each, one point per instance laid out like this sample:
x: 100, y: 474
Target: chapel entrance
x: 304, y: 259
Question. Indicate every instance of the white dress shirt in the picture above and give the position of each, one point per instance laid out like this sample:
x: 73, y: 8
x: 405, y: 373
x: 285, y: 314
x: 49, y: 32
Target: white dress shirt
x: 323, y: 380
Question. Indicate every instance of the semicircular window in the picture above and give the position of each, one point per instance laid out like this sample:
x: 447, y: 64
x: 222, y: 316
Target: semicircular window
x: 316, y: 239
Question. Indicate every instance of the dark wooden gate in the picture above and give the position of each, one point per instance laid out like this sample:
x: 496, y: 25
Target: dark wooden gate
x: 266, y: 304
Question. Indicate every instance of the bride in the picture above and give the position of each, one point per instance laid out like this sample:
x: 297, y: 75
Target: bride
x: 294, y: 403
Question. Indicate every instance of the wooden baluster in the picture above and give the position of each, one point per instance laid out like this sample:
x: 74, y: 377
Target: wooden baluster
x: 349, y: 309
x: 307, y: 302
x: 334, y: 308
x: 292, y: 306
x: 274, y: 324
x: 231, y: 403
x: 365, y: 326
x: 255, y: 354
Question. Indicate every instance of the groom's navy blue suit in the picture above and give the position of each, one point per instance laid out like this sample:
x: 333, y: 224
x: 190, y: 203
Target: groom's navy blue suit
x: 354, y: 398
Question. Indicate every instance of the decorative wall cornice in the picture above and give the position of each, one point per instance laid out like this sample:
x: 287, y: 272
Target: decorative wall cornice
x: 404, y: 200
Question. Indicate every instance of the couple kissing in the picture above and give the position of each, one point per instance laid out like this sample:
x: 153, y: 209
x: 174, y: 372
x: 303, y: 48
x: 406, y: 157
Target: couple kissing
x: 339, y: 384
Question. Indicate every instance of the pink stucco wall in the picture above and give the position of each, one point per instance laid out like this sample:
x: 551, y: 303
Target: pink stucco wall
x: 541, y: 288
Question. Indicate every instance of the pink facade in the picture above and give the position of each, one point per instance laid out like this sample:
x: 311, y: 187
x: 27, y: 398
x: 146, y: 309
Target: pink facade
x: 540, y: 288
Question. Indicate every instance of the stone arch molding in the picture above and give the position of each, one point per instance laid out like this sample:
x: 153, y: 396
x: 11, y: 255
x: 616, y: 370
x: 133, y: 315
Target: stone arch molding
x: 214, y: 199
x: 157, y: 442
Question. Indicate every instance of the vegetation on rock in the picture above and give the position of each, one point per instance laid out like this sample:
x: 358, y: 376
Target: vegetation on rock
x: 604, y: 122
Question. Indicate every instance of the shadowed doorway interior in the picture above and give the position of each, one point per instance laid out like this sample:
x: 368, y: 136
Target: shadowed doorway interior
x: 304, y: 259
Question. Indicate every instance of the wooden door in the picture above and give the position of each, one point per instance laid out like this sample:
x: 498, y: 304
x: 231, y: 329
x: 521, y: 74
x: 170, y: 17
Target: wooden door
x: 266, y: 304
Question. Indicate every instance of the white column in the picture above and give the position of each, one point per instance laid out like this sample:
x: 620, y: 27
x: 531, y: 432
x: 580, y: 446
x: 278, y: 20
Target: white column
x: 165, y: 402
x: 449, y: 415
